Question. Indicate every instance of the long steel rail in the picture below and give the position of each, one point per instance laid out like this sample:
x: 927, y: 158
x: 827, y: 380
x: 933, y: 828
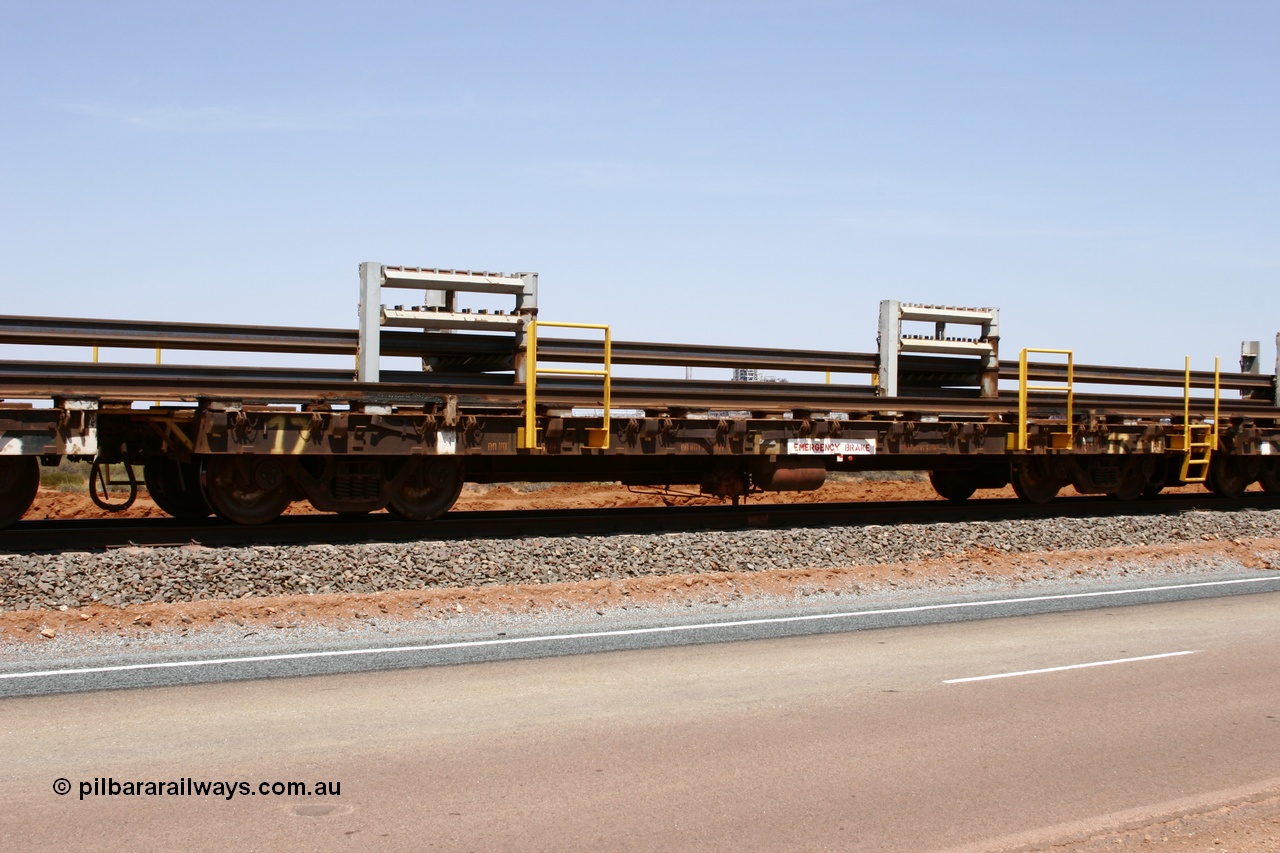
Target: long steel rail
x: 40, y: 379
x: 212, y: 337
x: 126, y: 383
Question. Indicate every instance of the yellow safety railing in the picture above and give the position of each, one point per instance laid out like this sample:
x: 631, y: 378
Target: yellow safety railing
x: 530, y: 438
x: 1023, y: 388
x: 95, y: 361
x: 1207, y: 435
x: 95, y: 354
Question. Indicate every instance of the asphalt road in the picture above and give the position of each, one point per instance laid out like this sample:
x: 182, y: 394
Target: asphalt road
x: 895, y: 739
x: 157, y: 665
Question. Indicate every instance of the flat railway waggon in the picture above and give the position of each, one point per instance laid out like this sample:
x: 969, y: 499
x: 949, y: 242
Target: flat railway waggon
x: 502, y: 396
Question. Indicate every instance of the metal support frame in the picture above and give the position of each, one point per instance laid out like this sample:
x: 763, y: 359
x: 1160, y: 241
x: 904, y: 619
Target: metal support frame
x: 1249, y: 351
x: 530, y: 439
x: 439, y: 311
x: 1023, y: 388
x: 1249, y: 363
x: 892, y: 342
x: 369, y: 351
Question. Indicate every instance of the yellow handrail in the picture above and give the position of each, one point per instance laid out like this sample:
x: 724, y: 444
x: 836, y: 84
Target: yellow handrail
x: 1189, y: 444
x: 1186, y: 409
x: 1023, y: 388
x: 1217, y: 394
x: 531, y: 378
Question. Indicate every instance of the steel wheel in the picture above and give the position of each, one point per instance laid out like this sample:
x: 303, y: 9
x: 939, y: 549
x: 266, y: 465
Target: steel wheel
x: 175, y: 487
x: 1227, y: 476
x: 19, y: 482
x: 428, y: 490
x: 1035, y: 481
x: 246, y: 490
x: 1160, y: 480
x: 1269, y: 477
x: 955, y: 486
x: 1133, y: 483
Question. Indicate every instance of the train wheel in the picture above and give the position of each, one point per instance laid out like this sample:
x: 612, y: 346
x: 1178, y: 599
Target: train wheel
x: 955, y: 486
x: 246, y: 490
x: 175, y: 487
x: 19, y: 482
x: 1133, y: 483
x: 1227, y: 476
x: 1034, y: 481
x: 429, y: 489
x: 1159, y: 481
x: 1269, y: 477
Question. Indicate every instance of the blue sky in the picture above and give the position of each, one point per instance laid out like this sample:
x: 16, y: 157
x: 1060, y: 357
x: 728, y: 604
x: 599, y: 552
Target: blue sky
x: 708, y: 172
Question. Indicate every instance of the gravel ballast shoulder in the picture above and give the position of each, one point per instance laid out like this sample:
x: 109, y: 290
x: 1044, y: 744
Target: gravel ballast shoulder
x: 129, y: 576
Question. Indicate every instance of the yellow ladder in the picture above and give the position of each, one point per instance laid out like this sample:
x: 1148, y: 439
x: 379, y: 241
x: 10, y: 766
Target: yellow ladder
x: 1198, y: 440
x: 1057, y: 440
x: 598, y: 438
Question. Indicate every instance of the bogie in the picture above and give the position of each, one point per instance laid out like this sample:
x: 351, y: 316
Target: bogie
x: 350, y: 486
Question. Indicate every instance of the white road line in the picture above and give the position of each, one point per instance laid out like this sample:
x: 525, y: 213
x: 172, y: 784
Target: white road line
x: 626, y: 632
x: 1064, y: 668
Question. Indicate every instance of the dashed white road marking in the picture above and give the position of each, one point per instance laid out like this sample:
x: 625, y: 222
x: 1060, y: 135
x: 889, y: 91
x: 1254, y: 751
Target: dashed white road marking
x: 1064, y: 668
x: 625, y: 632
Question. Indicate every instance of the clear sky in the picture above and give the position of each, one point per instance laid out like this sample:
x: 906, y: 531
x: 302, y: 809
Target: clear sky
x: 754, y: 173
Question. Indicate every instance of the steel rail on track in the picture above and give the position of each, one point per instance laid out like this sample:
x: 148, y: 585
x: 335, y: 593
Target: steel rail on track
x: 78, y: 535
x: 53, y: 331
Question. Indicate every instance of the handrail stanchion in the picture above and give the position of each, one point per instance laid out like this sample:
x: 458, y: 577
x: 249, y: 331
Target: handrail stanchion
x: 531, y: 379
x: 1023, y: 371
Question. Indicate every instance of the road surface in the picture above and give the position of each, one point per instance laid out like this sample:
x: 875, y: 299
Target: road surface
x: 976, y: 735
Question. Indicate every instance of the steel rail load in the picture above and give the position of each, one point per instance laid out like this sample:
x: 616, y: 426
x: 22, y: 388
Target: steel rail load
x: 496, y: 400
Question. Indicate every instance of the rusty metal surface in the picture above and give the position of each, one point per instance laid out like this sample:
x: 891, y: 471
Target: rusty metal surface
x: 67, y: 331
x: 117, y: 382
x: 54, y: 331
x: 211, y: 337
x: 1099, y: 374
x: 461, y: 359
x: 216, y: 337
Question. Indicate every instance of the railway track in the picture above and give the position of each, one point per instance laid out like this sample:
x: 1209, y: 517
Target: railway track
x: 51, y: 536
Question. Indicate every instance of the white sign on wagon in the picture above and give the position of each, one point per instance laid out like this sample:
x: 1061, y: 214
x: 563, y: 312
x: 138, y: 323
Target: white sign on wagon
x: 831, y: 446
x: 447, y: 442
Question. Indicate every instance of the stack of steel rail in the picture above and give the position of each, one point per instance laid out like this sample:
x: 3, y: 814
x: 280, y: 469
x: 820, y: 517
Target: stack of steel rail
x: 41, y: 379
